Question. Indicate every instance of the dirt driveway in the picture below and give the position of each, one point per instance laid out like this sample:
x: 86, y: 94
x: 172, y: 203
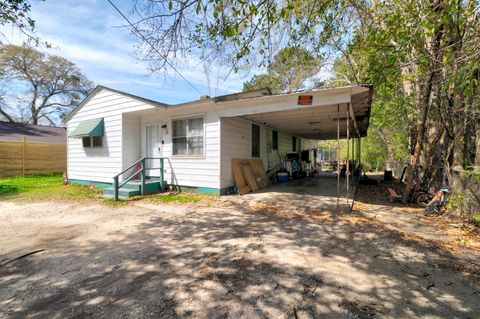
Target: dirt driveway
x: 230, y: 260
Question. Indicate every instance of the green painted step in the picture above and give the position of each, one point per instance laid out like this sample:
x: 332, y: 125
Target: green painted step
x: 122, y: 192
x: 133, y: 188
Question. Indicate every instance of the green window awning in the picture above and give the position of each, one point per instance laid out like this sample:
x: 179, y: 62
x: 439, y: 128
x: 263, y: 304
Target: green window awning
x: 88, y: 128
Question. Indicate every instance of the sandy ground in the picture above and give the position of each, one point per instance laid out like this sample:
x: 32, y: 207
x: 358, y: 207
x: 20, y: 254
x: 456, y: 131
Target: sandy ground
x: 236, y: 259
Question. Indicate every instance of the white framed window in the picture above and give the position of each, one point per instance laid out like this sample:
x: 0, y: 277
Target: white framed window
x: 188, y: 137
x: 92, y: 141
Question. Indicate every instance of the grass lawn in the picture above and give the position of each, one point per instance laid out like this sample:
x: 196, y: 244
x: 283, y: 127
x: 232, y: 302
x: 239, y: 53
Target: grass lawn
x: 44, y: 187
x: 50, y: 187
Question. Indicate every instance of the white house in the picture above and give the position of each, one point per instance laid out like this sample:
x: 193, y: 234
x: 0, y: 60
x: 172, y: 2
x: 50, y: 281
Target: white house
x: 110, y: 130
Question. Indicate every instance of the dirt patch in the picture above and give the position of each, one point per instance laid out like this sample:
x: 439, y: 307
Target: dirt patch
x: 228, y: 260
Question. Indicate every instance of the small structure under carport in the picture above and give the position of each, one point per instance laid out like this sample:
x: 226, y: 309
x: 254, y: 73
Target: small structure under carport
x: 318, y: 114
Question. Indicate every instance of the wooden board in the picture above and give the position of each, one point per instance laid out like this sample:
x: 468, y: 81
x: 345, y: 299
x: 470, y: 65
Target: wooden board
x: 273, y: 171
x: 250, y: 177
x: 259, y: 170
x: 260, y: 179
x: 19, y: 158
x: 242, y: 186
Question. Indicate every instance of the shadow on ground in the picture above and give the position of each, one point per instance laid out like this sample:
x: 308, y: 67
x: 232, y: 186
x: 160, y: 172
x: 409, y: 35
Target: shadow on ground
x: 240, y: 261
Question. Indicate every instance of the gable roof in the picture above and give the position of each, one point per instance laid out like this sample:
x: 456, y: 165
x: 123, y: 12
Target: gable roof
x: 98, y: 88
x: 15, y: 132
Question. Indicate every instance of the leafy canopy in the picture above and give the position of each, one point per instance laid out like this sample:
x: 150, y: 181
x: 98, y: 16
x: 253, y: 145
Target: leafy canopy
x: 287, y: 72
x: 53, y: 85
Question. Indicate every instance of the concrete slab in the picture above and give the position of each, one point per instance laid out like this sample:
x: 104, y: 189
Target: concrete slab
x: 318, y: 192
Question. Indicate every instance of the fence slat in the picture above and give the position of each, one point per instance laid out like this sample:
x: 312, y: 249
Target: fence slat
x: 19, y: 158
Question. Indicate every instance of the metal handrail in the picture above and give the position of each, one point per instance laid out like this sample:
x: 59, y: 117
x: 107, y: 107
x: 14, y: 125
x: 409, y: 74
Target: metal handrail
x: 131, y: 166
x: 141, y: 171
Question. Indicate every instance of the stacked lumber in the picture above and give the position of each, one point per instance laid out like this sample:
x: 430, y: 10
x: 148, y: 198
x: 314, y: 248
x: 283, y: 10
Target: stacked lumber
x: 249, y: 174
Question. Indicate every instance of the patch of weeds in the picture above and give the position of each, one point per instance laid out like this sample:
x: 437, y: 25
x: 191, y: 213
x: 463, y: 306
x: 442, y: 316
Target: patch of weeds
x: 181, y: 198
x: 120, y: 202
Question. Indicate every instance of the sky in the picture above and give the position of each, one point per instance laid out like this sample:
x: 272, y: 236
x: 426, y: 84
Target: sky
x: 89, y: 33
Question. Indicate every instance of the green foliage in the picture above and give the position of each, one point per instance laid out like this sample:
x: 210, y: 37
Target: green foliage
x: 456, y: 201
x: 287, y: 72
x: 259, y: 81
x: 16, y: 13
x: 477, y: 217
x: 373, y: 150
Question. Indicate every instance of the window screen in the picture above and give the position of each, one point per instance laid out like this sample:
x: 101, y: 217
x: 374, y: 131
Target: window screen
x: 92, y: 141
x: 97, y: 141
x: 274, y: 140
x: 187, y: 136
x: 86, y: 141
x: 255, y: 140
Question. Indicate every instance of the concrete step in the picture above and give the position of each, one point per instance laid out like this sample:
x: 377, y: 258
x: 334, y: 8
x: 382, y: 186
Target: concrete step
x: 122, y: 192
x: 133, y: 188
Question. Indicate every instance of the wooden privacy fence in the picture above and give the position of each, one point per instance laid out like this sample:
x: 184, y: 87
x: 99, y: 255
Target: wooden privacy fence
x: 23, y: 158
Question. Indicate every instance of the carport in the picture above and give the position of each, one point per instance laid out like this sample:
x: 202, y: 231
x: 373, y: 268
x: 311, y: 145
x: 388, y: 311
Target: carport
x: 317, y: 114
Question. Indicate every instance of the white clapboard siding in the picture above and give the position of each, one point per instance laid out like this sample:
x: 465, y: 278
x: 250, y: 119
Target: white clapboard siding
x: 200, y: 172
x: 102, y: 163
x: 131, y: 148
x: 236, y: 142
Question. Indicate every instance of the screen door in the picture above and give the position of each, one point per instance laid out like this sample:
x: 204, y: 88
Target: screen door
x: 154, y: 143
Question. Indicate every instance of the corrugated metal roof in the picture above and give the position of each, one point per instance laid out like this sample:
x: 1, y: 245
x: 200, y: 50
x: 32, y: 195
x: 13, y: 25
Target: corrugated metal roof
x: 32, y: 133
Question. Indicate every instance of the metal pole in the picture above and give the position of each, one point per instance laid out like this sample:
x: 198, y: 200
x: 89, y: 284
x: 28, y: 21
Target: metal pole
x: 353, y: 151
x: 115, y: 188
x: 142, y: 176
x: 359, y: 149
x: 338, y: 157
x: 162, y: 184
x: 348, y: 153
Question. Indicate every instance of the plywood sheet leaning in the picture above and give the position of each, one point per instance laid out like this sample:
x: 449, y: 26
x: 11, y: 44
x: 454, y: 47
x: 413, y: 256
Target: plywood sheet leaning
x: 260, y: 174
x: 273, y: 171
x: 240, y: 181
x: 258, y: 170
x: 250, y: 177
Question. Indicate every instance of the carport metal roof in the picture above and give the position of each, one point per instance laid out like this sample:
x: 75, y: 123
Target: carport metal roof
x: 311, y: 114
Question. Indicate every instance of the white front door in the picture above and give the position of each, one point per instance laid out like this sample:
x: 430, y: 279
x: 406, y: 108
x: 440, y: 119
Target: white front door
x: 154, y: 149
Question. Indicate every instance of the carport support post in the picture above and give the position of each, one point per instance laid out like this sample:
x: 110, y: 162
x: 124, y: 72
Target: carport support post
x: 338, y: 157
x: 348, y: 153
x: 353, y: 152
x: 359, y: 150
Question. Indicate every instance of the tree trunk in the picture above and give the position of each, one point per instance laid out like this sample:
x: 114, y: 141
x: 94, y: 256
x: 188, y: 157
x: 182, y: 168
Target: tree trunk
x: 422, y: 104
x: 477, y: 148
x: 432, y: 164
x: 458, y: 154
x: 423, y: 101
x: 33, y: 105
x: 5, y: 114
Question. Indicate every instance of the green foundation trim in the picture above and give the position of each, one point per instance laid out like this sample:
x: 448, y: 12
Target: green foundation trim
x: 187, y: 189
x: 198, y: 190
x: 88, y: 183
